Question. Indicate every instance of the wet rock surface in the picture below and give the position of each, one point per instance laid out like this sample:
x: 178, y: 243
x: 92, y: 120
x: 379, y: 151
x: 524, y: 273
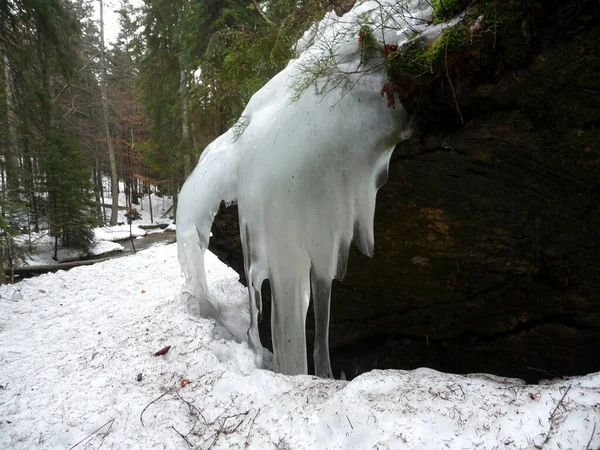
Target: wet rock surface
x: 487, y: 234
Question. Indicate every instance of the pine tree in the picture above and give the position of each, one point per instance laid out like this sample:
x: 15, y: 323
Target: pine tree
x: 70, y: 199
x: 40, y: 42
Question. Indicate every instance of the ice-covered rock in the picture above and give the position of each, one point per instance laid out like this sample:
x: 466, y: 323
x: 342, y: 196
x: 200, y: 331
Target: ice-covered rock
x: 304, y: 163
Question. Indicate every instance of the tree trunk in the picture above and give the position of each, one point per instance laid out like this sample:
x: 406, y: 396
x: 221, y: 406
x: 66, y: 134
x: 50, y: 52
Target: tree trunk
x: 97, y: 191
x: 150, y: 203
x: 11, y: 154
x: 185, y: 128
x: 114, y: 181
x: 101, y: 188
x: 29, y: 177
x: 29, y: 271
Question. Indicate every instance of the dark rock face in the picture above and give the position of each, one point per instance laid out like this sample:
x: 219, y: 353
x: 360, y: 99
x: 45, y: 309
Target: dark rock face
x: 489, y: 263
x: 487, y: 235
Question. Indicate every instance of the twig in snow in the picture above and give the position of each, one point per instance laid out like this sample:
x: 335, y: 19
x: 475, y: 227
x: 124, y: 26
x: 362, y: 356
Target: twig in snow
x: 184, y: 438
x: 191, y: 406
x: 553, y: 375
x: 348, y: 419
x: 250, y: 429
x: 230, y: 430
x: 587, y: 447
x: 153, y: 401
x: 216, y: 434
x: 111, y: 421
x: 552, y: 419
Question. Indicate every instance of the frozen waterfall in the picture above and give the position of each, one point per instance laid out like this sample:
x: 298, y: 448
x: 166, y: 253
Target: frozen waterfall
x: 303, y: 163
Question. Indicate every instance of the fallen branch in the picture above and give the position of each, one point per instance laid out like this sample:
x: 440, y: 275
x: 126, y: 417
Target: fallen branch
x: 184, y: 438
x: 154, y: 226
x: 348, y: 419
x: 192, y: 407
x: 587, y: 447
x: 153, y: 401
x: 37, y: 270
x: 111, y: 421
x: 250, y: 429
x: 552, y: 420
x: 166, y: 212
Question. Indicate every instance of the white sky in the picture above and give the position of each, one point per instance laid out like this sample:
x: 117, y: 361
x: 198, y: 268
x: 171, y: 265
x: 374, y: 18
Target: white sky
x: 111, y: 21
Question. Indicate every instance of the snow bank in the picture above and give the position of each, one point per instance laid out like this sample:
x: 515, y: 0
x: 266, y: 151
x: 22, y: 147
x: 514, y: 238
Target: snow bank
x: 117, y: 233
x: 103, y: 247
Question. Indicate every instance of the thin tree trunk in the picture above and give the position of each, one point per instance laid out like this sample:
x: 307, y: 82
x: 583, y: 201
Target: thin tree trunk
x: 185, y: 128
x: 114, y: 181
x: 29, y: 178
x: 133, y: 180
x: 129, y: 206
x: 261, y: 13
x: 12, y: 178
x: 55, y: 257
x: 101, y: 188
x: 150, y: 202
x: 98, y: 191
x: 175, y: 202
x: 2, y: 178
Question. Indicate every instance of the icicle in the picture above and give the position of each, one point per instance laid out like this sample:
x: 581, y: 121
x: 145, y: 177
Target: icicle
x: 304, y: 163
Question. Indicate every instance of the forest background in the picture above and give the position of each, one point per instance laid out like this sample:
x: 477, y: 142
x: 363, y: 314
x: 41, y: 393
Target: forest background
x: 75, y: 112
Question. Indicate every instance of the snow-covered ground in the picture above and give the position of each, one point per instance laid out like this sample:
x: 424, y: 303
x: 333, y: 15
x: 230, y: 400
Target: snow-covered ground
x: 77, y: 370
x: 42, y: 245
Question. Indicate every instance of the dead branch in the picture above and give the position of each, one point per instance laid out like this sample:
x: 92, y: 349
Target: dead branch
x: 348, y: 419
x: 452, y: 86
x: 191, y: 407
x: 37, y: 270
x: 548, y: 435
x: 153, y: 401
x: 184, y: 438
x: 250, y: 429
x: 587, y: 447
x: 111, y: 421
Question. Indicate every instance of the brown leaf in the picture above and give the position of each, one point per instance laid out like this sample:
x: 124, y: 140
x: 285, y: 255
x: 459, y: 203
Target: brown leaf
x: 163, y: 351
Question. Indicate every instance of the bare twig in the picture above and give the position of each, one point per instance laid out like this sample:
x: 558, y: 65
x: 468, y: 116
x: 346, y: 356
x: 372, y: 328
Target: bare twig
x: 250, y: 429
x: 223, y: 430
x: 452, y: 86
x: 535, y: 369
x: 216, y: 434
x: 552, y: 418
x: 183, y: 436
x: 192, y: 407
x: 153, y: 401
x: 587, y: 447
x: 111, y: 421
x: 348, y: 419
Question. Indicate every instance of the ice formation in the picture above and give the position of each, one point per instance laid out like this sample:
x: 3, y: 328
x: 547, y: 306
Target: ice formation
x: 303, y: 163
